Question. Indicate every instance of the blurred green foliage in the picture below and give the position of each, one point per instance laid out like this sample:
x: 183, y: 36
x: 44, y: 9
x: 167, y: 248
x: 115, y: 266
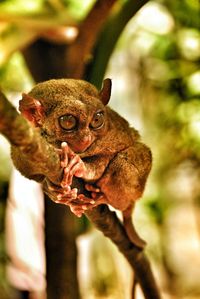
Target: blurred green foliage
x: 14, y: 76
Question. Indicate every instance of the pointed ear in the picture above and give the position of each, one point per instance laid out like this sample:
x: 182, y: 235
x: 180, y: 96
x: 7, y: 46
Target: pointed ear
x: 31, y: 109
x: 105, y: 92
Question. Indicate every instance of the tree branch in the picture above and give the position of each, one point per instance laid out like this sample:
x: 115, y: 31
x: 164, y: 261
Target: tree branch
x: 32, y: 147
x: 79, y: 52
x: 113, y: 229
x: 10, y: 120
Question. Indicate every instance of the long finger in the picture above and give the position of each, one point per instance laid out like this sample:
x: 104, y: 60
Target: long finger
x: 64, y: 156
x: 71, y: 195
x: 83, y: 199
x: 92, y: 188
x: 67, y: 178
x: 78, y: 169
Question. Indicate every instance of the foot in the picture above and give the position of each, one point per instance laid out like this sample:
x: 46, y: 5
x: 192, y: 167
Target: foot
x: 59, y: 194
x: 87, y: 203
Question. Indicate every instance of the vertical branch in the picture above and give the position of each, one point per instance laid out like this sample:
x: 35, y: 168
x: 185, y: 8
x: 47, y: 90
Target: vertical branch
x: 79, y: 53
x: 61, y: 252
x: 63, y: 60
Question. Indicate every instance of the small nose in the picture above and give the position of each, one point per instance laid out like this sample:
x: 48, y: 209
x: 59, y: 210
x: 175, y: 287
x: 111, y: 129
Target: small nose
x: 86, y: 139
x: 84, y: 142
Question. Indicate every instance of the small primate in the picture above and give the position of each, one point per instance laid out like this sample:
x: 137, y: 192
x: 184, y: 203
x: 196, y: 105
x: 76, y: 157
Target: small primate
x: 103, y: 159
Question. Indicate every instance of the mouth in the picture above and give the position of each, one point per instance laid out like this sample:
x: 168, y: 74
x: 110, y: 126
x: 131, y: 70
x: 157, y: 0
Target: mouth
x: 80, y: 148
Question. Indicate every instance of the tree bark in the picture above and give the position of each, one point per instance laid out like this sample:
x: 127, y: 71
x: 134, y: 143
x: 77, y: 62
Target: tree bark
x: 79, y: 53
x: 108, y: 223
x: 61, y: 252
x: 68, y: 61
x: 28, y: 142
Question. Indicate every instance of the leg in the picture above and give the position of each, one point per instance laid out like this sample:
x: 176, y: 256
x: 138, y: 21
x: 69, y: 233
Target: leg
x: 84, y: 203
x: 59, y: 194
x: 97, y: 197
x: 67, y: 196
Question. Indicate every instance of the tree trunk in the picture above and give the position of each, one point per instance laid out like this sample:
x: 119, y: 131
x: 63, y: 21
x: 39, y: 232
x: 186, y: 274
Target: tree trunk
x: 61, y: 252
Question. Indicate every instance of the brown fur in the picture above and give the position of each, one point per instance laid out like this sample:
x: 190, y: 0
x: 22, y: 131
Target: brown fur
x: 116, y: 160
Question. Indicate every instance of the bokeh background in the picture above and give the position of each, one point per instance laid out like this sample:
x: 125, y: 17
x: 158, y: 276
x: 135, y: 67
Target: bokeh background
x: 156, y: 86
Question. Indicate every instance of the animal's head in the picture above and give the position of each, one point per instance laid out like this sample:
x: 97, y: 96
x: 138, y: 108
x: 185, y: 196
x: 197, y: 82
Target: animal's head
x: 68, y: 110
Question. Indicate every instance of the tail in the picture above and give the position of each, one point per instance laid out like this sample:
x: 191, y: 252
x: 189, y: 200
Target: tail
x: 130, y: 229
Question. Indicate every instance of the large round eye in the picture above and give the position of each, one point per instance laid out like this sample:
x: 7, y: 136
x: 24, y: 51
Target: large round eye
x: 97, y: 121
x: 68, y: 122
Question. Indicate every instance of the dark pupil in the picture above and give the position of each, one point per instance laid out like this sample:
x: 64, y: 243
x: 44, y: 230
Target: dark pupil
x: 67, y: 122
x: 98, y: 120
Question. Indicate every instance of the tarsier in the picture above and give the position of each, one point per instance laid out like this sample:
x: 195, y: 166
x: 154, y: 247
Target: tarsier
x: 102, y: 157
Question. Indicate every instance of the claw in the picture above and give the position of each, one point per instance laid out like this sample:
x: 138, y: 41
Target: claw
x: 85, y: 199
x: 92, y: 188
x: 64, y: 154
x: 75, y: 211
x: 84, y: 208
x: 64, y: 144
